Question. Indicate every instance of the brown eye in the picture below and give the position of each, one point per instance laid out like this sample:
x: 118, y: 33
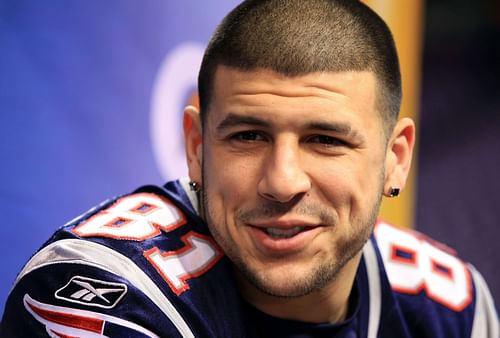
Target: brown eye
x: 247, y: 136
x: 327, y: 140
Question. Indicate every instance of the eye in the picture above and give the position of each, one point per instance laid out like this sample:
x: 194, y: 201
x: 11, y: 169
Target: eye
x: 247, y: 136
x: 328, y: 141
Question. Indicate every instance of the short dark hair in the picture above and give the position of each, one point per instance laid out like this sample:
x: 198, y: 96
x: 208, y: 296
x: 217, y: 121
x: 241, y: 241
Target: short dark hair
x: 297, y: 37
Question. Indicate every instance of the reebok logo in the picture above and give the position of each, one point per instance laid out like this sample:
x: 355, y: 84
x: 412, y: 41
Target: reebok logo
x: 92, y: 292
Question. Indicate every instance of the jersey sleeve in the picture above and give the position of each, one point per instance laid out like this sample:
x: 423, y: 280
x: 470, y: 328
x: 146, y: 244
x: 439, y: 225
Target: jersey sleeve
x: 436, y: 294
x: 74, y: 288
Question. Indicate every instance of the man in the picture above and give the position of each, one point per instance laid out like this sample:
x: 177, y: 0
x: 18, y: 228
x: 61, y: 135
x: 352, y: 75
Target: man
x: 296, y: 141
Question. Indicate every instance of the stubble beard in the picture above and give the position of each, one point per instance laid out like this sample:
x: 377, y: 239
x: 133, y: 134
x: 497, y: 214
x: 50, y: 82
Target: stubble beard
x: 324, y: 273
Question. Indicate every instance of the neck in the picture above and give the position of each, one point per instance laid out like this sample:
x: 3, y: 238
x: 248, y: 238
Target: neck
x: 327, y: 305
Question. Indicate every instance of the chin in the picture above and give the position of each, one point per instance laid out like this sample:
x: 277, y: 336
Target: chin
x: 287, y: 282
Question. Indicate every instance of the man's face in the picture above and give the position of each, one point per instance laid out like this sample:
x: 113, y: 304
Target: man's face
x: 293, y: 171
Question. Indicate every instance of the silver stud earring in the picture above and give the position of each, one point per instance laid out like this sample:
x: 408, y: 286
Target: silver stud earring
x: 394, y: 192
x: 194, y: 186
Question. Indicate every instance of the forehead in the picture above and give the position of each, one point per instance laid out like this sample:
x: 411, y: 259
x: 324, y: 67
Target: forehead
x: 350, y: 95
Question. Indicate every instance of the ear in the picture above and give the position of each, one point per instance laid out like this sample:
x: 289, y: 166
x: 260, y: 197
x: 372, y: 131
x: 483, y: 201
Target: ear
x: 193, y: 139
x: 399, y: 155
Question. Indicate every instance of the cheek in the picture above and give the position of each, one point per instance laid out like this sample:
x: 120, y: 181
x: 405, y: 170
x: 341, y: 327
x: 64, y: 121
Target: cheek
x: 340, y: 177
x: 228, y: 178
x: 352, y: 183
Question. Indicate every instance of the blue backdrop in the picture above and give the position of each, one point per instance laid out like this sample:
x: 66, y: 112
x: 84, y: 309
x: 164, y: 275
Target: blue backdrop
x: 80, y: 86
x: 91, y: 96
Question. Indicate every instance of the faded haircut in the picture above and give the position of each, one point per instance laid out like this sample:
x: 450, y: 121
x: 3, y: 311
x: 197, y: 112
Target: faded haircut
x: 297, y: 37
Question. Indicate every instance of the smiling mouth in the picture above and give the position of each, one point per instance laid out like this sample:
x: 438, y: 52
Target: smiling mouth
x: 277, y: 239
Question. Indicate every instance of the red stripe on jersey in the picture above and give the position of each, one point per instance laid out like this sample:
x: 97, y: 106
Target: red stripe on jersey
x: 62, y: 335
x: 71, y: 320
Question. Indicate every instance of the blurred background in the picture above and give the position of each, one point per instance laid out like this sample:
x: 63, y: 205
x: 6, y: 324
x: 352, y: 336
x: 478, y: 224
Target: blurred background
x: 91, y: 96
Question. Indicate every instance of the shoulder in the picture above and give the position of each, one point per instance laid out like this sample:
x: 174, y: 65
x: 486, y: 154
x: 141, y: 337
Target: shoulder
x: 434, y: 290
x: 139, y: 263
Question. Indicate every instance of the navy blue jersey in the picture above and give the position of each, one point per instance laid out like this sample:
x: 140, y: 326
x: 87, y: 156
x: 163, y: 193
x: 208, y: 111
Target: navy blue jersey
x: 141, y: 265
x: 145, y: 265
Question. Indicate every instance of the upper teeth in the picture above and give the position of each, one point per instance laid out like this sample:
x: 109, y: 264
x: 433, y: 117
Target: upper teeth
x: 284, y: 233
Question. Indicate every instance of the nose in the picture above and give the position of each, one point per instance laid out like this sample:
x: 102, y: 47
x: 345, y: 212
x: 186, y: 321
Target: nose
x: 284, y: 176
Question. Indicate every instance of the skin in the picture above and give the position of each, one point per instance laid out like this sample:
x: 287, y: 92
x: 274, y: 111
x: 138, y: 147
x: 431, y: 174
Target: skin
x: 307, y: 157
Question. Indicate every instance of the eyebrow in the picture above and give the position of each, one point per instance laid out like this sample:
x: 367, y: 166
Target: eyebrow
x: 337, y: 128
x: 233, y: 119
x: 340, y: 128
